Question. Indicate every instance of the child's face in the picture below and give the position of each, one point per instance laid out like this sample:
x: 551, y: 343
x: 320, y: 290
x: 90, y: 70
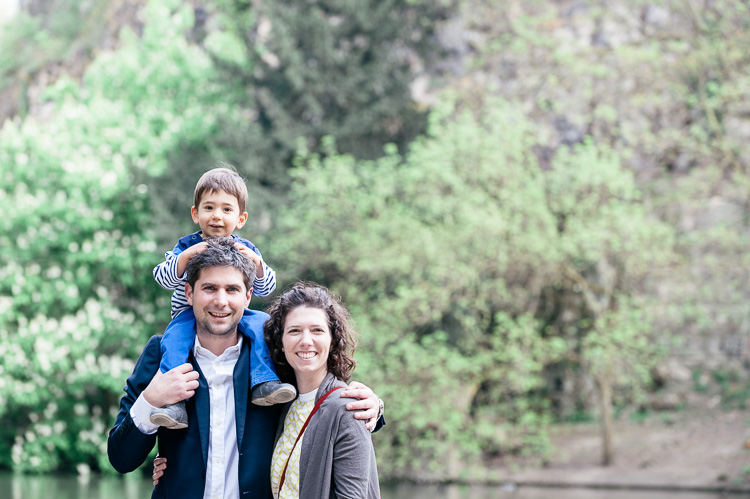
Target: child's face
x: 218, y: 214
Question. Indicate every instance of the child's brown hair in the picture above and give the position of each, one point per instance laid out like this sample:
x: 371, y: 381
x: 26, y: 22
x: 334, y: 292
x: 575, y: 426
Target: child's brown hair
x: 222, y: 178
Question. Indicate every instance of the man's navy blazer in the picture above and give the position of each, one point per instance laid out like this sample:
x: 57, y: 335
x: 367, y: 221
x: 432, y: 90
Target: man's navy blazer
x: 187, y: 450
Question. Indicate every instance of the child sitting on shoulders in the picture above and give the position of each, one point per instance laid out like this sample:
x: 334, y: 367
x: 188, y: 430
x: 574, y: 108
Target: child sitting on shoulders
x: 219, y: 208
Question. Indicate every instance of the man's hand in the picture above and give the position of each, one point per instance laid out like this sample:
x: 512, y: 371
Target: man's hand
x: 160, y: 464
x: 171, y: 387
x: 252, y: 255
x: 369, y: 402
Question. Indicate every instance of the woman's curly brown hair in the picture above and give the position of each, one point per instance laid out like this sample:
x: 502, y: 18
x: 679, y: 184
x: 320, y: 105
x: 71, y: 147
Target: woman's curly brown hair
x: 343, y: 335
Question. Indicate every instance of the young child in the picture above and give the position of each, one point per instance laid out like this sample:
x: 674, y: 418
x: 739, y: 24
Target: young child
x: 220, y: 198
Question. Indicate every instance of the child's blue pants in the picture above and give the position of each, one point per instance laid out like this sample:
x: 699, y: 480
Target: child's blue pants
x: 179, y: 339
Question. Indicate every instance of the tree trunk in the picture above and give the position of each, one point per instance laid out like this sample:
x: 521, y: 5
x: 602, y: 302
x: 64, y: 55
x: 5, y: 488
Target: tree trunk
x: 604, y: 384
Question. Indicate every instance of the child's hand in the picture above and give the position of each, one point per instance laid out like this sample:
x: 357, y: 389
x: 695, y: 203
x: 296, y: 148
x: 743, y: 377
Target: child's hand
x: 184, y: 258
x: 252, y: 255
x: 197, y: 248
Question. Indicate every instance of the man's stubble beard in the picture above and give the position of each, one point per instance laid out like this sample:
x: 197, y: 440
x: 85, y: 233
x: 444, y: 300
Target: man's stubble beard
x: 201, y: 329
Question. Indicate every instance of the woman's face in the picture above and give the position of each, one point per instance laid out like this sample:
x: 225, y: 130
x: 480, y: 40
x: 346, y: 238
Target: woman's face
x: 307, y: 343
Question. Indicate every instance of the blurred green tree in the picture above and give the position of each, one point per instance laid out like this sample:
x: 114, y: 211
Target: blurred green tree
x: 99, y: 182
x: 291, y: 73
x: 77, y: 300
x: 610, y: 244
x: 472, y: 267
x: 332, y: 68
x: 446, y: 256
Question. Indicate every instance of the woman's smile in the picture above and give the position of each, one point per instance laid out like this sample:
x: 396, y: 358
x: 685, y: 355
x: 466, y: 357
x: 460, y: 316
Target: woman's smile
x: 307, y: 343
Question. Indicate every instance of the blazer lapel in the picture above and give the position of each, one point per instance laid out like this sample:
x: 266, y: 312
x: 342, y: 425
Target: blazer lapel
x: 241, y: 378
x: 202, y: 409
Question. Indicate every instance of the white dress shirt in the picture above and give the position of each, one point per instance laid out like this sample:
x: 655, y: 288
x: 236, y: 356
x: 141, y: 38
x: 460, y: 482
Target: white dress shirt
x: 222, y: 478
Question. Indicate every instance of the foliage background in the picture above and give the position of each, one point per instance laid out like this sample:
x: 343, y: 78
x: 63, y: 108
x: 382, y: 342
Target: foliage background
x: 526, y: 206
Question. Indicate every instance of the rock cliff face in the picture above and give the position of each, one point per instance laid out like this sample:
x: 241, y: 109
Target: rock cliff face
x: 76, y: 31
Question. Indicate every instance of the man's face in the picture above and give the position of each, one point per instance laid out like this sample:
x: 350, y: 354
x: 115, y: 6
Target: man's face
x: 218, y: 299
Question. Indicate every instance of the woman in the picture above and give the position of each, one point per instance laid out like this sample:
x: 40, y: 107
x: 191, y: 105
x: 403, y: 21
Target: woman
x: 320, y: 452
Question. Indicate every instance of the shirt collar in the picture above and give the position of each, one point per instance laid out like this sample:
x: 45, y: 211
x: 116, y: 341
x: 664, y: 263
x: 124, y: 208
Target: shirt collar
x: 231, y: 353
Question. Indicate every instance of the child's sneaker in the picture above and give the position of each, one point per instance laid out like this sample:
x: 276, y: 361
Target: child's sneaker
x: 273, y: 392
x: 173, y: 417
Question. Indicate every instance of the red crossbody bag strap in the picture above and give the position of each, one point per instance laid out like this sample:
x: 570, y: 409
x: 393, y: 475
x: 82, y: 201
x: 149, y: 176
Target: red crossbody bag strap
x: 304, y: 426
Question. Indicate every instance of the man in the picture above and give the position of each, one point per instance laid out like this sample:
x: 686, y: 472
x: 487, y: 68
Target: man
x: 227, y: 454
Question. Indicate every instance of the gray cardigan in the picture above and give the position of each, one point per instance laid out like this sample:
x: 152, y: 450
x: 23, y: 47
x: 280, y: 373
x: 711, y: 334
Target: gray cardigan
x: 337, y: 458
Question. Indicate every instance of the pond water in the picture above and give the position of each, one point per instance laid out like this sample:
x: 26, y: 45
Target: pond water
x: 14, y: 486
x: 410, y: 491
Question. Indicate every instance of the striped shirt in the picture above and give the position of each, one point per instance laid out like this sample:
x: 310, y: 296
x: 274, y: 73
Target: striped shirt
x: 166, y: 272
